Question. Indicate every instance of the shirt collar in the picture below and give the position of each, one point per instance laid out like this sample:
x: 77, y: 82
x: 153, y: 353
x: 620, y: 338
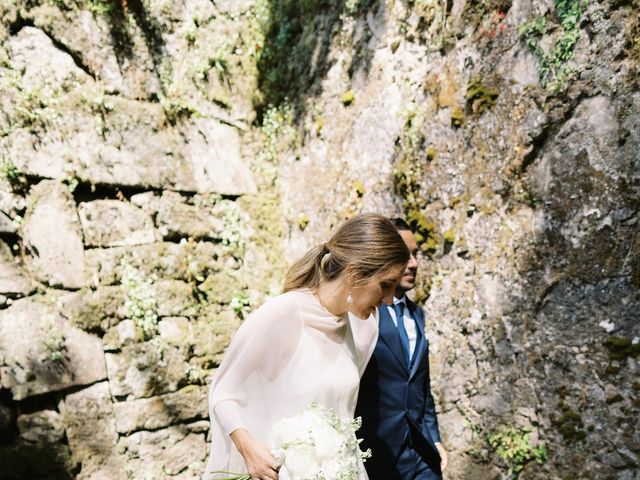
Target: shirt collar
x: 399, y: 300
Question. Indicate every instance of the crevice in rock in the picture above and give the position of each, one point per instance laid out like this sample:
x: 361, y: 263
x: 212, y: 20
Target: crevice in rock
x: 182, y: 423
x: 536, y: 147
x: 123, y: 42
x: 549, y: 130
x: 19, y: 24
x: 74, y: 56
x: 87, y: 192
x: 36, y: 403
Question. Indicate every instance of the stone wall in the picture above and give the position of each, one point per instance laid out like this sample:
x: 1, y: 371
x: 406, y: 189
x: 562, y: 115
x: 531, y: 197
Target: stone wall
x: 164, y: 161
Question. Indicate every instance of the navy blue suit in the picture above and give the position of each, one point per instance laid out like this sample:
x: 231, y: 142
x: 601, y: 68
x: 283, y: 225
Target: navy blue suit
x: 399, y: 421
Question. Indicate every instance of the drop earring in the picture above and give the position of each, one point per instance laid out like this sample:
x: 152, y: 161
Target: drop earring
x: 349, y: 299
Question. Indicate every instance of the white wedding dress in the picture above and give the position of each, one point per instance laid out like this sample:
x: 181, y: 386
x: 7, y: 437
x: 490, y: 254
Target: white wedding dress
x: 289, y: 353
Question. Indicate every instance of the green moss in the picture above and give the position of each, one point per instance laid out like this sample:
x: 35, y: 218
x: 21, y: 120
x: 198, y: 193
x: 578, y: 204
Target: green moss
x: 457, y: 117
x: 480, y: 97
x: 319, y: 124
x: 569, y: 424
x: 449, y: 236
x: 99, y: 310
x: 463, y: 200
x: 614, y: 399
x: 348, y: 98
x: 303, y: 221
x: 424, y: 230
x: 220, y: 288
x: 266, y: 216
x: 621, y: 348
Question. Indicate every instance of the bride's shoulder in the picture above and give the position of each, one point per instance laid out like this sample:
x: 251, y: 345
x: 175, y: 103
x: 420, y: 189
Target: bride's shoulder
x: 284, y: 305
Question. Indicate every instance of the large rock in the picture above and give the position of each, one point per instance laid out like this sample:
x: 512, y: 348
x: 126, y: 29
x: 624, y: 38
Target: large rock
x: 176, y: 218
x: 91, y: 432
x: 175, y: 298
x: 11, y: 206
x: 89, y: 37
x: 43, y: 352
x: 97, y: 310
x: 46, y: 426
x: 142, y: 370
x: 203, y: 155
x: 12, y: 280
x: 112, y: 223
x: 178, y: 261
x: 51, y: 233
x: 175, y: 452
x: 187, y: 404
x: 44, y: 67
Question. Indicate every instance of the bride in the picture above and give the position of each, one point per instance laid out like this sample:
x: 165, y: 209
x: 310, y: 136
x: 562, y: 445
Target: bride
x: 309, y: 344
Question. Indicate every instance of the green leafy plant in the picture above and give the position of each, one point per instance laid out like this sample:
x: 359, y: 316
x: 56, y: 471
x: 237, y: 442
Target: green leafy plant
x: 10, y: 171
x: 99, y: 7
x: 141, y: 304
x: 55, y: 347
x: 240, y: 303
x: 514, y: 447
x: 218, y: 62
x: 176, y: 108
x: 555, y: 69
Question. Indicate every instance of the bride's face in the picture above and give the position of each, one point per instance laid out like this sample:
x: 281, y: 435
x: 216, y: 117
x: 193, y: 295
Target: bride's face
x: 375, y: 290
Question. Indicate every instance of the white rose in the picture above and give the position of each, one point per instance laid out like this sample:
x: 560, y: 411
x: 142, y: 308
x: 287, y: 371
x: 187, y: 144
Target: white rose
x: 327, y: 441
x: 331, y: 468
x: 288, y: 431
x: 301, y: 463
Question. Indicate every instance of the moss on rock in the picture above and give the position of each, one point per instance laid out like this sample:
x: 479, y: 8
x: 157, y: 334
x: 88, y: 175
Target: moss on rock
x: 621, y: 348
x: 480, y: 96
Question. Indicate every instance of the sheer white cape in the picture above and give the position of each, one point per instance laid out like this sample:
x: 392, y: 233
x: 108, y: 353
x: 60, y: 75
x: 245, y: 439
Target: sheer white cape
x: 289, y: 353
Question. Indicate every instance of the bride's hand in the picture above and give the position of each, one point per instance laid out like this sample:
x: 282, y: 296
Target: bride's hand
x: 257, y: 456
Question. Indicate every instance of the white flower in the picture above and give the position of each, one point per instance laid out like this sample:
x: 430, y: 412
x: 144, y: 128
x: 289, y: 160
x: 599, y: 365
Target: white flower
x: 301, y: 463
x: 328, y: 442
x: 318, y: 445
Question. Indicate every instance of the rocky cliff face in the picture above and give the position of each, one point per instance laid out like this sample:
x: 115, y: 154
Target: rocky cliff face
x: 164, y: 161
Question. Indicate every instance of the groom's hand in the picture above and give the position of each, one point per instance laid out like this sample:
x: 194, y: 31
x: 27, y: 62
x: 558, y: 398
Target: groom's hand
x: 443, y: 456
x: 257, y: 456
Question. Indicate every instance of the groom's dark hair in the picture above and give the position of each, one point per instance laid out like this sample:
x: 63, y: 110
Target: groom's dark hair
x: 400, y: 224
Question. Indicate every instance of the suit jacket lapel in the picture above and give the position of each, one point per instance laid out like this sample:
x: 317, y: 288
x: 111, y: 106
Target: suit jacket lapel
x: 421, y: 343
x: 388, y: 333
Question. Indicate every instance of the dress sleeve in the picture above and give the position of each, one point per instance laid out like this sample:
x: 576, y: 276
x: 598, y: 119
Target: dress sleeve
x: 260, y: 350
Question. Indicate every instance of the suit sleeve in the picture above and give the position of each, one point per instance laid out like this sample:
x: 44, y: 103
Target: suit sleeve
x: 430, y: 419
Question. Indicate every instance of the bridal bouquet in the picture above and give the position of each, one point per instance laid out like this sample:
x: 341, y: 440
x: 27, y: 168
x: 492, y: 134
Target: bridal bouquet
x: 316, y: 444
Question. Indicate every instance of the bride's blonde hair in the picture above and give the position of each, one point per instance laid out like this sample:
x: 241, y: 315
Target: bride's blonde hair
x: 367, y: 244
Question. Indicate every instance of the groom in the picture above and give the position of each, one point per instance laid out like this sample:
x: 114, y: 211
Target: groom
x: 399, y: 421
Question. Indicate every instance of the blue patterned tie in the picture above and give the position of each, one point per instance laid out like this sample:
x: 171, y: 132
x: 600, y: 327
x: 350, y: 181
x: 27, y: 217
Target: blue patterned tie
x: 404, y: 338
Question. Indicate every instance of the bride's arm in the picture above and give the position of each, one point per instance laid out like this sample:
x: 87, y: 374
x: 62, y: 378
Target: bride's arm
x: 256, y: 455
x: 258, y: 353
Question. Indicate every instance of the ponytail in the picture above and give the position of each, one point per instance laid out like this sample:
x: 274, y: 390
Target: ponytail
x: 368, y: 243
x: 306, y: 272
